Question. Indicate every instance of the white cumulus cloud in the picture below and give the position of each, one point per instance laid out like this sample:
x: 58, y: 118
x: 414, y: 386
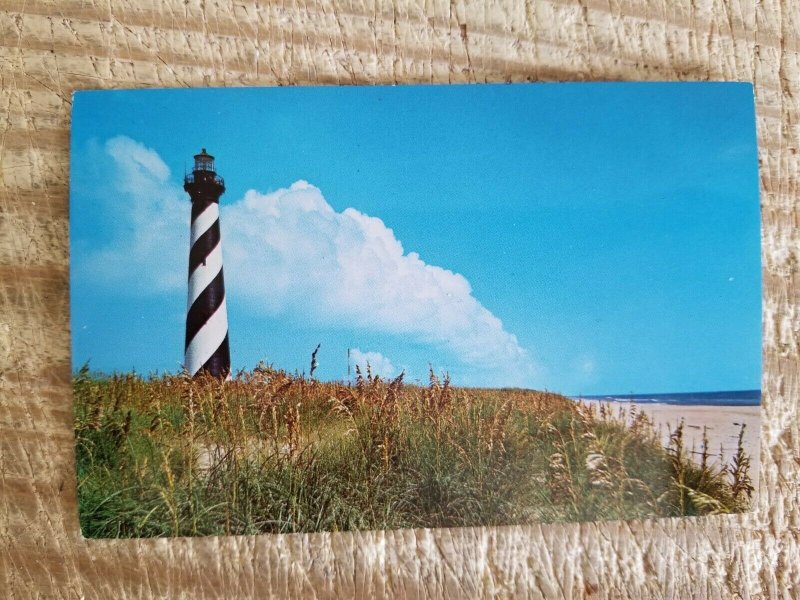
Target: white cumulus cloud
x: 146, y: 255
x: 378, y: 363
x: 290, y: 253
x: 299, y: 255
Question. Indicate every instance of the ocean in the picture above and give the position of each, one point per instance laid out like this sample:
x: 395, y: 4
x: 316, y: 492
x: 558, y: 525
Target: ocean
x: 731, y: 398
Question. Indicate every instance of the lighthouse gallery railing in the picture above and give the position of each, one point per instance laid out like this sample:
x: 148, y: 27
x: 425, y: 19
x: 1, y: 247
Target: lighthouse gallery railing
x: 189, y: 178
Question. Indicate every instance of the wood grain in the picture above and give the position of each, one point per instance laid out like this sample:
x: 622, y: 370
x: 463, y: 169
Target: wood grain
x: 48, y: 49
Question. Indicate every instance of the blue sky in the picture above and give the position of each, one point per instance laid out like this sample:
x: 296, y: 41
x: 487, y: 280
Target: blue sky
x: 584, y: 238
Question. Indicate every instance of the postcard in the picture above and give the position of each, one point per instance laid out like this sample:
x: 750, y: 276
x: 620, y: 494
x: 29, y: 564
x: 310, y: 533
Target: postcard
x: 370, y: 308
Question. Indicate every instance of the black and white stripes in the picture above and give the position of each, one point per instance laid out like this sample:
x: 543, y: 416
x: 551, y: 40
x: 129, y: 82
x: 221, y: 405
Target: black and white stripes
x: 206, y: 348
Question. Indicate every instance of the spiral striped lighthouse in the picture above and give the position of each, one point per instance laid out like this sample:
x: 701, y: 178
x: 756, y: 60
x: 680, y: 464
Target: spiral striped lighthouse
x: 206, y: 348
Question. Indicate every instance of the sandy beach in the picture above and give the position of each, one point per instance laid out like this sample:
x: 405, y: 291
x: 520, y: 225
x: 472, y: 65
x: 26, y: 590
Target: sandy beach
x: 723, y: 424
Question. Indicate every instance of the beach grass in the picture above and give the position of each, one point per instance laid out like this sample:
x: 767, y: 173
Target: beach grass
x: 269, y: 452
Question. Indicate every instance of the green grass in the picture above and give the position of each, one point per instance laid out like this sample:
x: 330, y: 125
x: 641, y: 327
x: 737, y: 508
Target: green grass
x: 273, y: 453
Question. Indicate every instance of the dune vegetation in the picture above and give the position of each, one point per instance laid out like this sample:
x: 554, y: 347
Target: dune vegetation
x: 269, y: 452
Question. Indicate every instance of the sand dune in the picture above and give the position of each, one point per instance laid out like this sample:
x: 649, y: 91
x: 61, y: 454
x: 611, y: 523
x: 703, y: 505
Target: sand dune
x: 723, y: 423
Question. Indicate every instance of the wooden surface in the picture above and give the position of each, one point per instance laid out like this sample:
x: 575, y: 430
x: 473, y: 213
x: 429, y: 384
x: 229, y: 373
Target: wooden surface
x: 50, y: 48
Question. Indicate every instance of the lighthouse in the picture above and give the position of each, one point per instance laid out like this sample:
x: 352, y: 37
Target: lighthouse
x: 206, y: 347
